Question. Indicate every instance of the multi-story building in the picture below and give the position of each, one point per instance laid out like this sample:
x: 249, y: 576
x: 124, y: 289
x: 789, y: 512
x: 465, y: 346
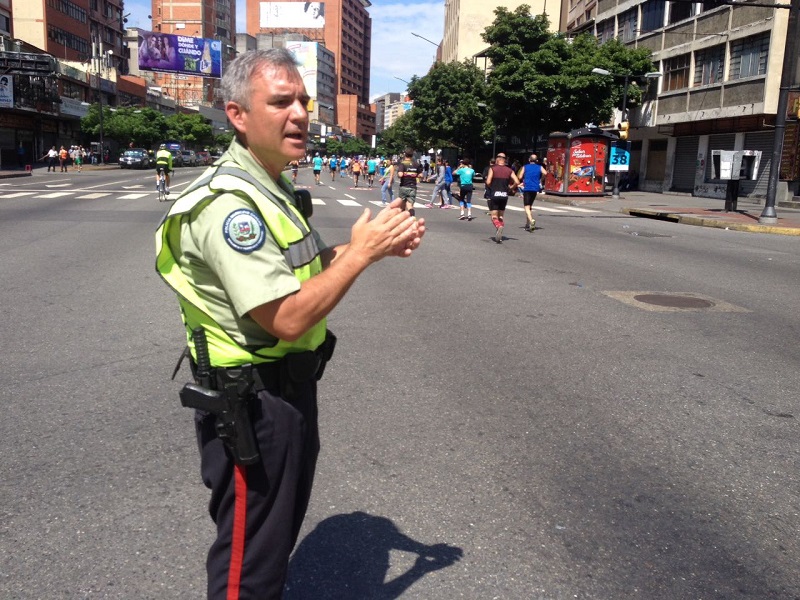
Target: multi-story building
x: 209, y: 19
x: 345, y: 28
x: 721, y: 68
x: 465, y: 20
x: 578, y: 15
x: 379, y: 107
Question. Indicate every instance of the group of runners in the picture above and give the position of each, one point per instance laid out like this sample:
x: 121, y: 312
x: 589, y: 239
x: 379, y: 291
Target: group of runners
x: 358, y: 168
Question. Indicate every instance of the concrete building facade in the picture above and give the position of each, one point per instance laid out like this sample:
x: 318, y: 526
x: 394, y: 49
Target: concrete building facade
x: 344, y: 27
x: 721, y: 69
x: 465, y: 20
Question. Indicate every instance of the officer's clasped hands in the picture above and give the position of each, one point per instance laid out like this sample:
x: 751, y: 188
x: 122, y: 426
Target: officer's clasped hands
x: 391, y: 232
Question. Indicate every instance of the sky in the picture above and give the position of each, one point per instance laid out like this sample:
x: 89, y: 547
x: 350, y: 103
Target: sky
x: 395, y: 52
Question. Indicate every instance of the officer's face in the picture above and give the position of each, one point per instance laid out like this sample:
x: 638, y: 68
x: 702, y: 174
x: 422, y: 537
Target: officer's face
x: 275, y: 129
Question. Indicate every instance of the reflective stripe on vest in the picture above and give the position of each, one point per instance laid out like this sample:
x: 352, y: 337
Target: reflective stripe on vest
x: 290, y: 232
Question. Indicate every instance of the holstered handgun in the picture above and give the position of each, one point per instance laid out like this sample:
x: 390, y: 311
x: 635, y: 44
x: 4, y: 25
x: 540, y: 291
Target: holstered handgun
x: 225, y: 393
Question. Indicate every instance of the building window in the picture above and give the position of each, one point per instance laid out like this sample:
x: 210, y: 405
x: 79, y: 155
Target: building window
x: 676, y: 73
x: 709, y: 65
x: 749, y: 56
x: 68, y: 8
x: 67, y: 39
x: 628, y: 25
x: 605, y: 31
x: 652, y: 15
x: 678, y: 11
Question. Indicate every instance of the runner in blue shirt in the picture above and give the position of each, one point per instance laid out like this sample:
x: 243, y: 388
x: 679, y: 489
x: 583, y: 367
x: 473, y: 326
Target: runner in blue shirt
x: 317, y: 162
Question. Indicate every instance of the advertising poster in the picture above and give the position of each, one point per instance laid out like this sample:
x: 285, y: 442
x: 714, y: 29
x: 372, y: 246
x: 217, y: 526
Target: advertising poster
x: 291, y: 15
x: 587, y: 165
x: 180, y: 54
x: 6, y: 91
x: 305, y: 53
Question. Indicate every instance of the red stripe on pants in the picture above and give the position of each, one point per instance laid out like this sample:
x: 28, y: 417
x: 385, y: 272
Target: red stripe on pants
x: 239, y: 529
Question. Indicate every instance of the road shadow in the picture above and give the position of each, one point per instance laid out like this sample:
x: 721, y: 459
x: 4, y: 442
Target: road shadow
x: 347, y: 557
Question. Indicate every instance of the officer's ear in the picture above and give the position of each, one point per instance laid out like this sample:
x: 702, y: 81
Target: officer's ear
x: 303, y: 199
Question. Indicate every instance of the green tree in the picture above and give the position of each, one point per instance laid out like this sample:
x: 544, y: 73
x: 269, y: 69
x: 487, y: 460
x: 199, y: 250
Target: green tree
x: 192, y: 129
x: 449, y: 106
x: 401, y: 135
x: 542, y: 82
x: 144, y: 127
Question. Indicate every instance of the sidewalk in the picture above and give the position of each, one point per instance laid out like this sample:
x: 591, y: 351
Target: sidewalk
x: 689, y: 210
x: 39, y: 168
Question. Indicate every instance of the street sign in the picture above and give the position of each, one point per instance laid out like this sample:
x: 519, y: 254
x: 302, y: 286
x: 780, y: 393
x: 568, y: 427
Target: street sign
x: 620, y: 158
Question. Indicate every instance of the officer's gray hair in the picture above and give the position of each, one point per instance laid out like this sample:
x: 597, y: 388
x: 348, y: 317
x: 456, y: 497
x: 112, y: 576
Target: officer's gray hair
x: 236, y: 82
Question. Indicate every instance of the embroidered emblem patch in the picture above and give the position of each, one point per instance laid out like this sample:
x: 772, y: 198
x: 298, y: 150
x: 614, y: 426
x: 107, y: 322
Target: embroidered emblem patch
x: 244, y: 231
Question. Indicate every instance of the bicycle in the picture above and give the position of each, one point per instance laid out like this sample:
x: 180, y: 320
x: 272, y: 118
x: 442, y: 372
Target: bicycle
x: 162, y: 185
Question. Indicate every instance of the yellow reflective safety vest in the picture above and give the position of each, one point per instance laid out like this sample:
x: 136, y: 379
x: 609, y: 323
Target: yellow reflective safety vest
x: 289, y: 229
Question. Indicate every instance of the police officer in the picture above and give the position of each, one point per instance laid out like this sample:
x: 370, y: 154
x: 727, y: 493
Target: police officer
x: 163, y: 162
x: 255, y: 276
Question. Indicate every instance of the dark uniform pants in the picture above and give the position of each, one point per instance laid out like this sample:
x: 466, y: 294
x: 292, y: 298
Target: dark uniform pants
x: 258, y: 509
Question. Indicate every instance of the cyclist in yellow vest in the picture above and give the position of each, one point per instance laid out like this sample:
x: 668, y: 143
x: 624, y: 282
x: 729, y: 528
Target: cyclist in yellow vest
x: 163, y: 163
x: 256, y: 278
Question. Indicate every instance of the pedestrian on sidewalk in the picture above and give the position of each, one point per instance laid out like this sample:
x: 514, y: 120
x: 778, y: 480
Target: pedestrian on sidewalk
x: 465, y: 173
x: 52, y: 157
x: 21, y: 156
x: 63, y: 159
x: 531, y: 176
x: 501, y: 182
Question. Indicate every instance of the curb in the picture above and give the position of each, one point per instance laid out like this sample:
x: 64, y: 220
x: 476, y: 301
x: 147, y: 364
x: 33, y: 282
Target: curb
x: 13, y: 175
x: 706, y: 222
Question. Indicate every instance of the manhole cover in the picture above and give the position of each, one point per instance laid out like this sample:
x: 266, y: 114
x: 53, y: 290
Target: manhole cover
x: 673, y: 301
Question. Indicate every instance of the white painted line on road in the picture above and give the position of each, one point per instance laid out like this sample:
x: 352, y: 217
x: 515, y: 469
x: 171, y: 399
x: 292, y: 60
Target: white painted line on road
x: 580, y: 210
x: 351, y: 197
x: 56, y: 195
x: 93, y: 196
x: 377, y: 203
x: 318, y: 202
x: 133, y: 196
x: 52, y: 185
x: 536, y: 207
x: 132, y: 187
x: 17, y: 195
x: 348, y: 203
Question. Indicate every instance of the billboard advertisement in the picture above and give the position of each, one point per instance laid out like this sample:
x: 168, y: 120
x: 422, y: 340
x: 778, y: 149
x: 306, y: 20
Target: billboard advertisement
x: 291, y: 15
x: 305, y: 53
x: 6, y: 91
x: 179, y: 54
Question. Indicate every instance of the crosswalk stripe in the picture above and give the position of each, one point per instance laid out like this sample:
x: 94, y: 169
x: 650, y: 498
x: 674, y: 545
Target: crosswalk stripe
x: 318, y: 202
x: 348, y: 203
x: 93, y: 196
x: 131, y: 196
x: 17, y: 195
x: 55, y: 195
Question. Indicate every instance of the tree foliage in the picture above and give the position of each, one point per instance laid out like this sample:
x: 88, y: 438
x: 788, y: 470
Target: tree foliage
x: 449, y: 106
x: 347, y: 147
x: 192, y: 129
x: 143, y: 126
x: 401, y: 135
x: 541, y: 82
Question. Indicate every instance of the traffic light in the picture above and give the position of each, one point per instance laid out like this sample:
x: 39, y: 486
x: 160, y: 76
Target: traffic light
x: 623, y: 130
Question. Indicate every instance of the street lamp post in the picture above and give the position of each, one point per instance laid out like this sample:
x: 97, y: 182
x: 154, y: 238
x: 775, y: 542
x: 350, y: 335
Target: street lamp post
x: 627, y: 78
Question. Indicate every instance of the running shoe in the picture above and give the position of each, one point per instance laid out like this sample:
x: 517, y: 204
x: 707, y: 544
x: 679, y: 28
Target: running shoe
x: 498, y: 236
x: 462, y: 217
x: 533, y: 225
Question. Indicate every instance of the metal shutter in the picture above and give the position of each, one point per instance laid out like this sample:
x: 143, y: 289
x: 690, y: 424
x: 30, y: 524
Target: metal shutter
x: 725, y: 141
x: 758, y: 140
x: 685, y: 163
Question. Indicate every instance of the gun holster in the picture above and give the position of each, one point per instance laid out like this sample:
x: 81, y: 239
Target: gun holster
x: 301, y: 367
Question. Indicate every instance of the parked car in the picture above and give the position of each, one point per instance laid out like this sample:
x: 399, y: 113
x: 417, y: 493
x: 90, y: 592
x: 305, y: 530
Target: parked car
x: 189, y: 158
x: 134, y: 158
x: 177, y: 159
x: 204, y: 158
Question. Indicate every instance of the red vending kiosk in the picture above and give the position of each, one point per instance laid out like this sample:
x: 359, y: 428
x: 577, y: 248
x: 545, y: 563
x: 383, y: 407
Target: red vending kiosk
x: 577, y: 162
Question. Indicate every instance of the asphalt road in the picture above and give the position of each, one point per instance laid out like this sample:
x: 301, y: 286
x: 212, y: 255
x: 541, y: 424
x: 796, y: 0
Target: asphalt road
x: 499, y: 420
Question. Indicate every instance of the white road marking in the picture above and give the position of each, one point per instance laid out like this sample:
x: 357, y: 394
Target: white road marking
x: 348, y: 203
x: 351, y: 198
x: 17, y: 195
x: 318, y: 202
x: 133, y: 196
x: 56, y: 195
x: 55, y: 185
x: 93, y: 196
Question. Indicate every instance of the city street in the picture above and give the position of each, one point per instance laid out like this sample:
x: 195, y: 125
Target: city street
x: 606, y: 408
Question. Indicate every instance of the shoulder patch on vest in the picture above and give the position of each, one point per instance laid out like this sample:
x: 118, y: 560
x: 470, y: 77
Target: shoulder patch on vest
x: 244, y: 230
